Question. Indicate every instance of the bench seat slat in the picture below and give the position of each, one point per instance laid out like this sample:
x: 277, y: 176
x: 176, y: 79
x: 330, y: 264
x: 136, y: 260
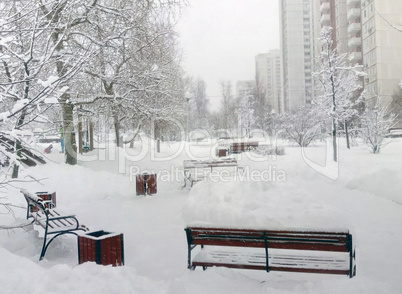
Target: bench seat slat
x: 277, y: 245
x: 190, y: 164
x: 247, y: 258
x: 56, y: 222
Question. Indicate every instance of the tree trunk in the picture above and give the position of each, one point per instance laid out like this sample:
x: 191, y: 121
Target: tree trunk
x: 18, y: 146
x: 157, y: 137
x: 69, y: 133
x: 116, y: 125
x: 16, y: 167
x: 347, y: 135
x: 334, y: 144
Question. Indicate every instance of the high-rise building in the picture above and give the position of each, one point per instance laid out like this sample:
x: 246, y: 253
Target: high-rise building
x: 343, y: 16
x: 371, y: 39
x: 382, y: 46
x: 244, y: 88
x: 297, y: 54
x: 268, y: 79
x: 354, y: 41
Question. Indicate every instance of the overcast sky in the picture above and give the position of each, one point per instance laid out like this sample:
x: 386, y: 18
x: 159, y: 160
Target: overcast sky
x: 220, y: 39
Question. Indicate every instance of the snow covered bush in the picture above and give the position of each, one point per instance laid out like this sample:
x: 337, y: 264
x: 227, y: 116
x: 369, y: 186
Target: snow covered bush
x: 302, y: 125
x: 376, y: 123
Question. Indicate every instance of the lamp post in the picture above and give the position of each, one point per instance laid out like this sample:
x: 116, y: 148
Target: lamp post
x: 187, y: 97
x: 273, y: 126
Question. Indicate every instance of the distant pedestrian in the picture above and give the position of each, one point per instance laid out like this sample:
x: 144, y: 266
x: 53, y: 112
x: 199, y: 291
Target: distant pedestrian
x: 62, y: 138
x: 48, y: 149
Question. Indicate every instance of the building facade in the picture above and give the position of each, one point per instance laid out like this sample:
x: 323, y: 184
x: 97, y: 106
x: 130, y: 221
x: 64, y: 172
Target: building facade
x: 244, y: 88
x: 370, y: 32
x: 268, y: 79
x: 297, y: 52
x: 382, y: 46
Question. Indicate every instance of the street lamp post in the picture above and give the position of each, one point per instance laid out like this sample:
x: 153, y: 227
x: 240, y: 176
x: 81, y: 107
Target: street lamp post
x: 188, y: 110
x: 273, y: 126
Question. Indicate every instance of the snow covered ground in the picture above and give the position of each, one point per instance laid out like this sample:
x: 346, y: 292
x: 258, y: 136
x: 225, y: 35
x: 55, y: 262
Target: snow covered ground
x: 274, y: 192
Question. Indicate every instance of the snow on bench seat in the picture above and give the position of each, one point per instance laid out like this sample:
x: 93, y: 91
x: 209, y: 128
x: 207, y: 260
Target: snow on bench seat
x: 194, y: 170
x: 252, y: 258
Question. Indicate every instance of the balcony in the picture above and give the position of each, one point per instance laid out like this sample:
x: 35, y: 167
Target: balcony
x: 354, y: 27
x: 325, y: 7
x: 353, y: 2
x: 354, y: 42
x: 355, y: 56
x: 325, y: 19
x: 354, y: 13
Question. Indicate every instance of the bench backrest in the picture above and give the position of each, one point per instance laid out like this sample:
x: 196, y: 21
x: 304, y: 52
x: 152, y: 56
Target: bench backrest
x: 33, y: 201
x: 187, y: 164
x: 297, y: 240
x: 244, y: 145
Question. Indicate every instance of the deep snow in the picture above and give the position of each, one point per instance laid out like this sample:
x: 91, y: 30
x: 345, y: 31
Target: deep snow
x: 282, y: 191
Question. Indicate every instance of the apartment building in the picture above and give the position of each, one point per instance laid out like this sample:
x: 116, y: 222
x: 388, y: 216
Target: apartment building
x: 372, y: 38
x: 244, y: 88
x: 344, y: 18
x: 268, y: 78
x: 382, y: 46
x: 297, y: 54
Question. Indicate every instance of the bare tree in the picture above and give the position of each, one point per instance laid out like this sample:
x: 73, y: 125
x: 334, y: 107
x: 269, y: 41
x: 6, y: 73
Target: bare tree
x: 199, y: 104
x: 337, y: 84
x: 376, y: 123
x: 137, y: 63
x: 245, y: 112
x: 396, y: 103
x: 28, y: 56
x: 228, y: 104
x: 302, y: 125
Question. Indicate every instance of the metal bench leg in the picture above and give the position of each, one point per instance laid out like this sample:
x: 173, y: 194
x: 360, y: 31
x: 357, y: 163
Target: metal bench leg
x: 45, y: 246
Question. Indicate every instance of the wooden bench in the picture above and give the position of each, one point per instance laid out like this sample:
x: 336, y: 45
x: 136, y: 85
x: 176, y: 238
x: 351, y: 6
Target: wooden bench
x: 309, y: 251
x: 190, y: 168
x: 53, y: 222
x: 239, y: 147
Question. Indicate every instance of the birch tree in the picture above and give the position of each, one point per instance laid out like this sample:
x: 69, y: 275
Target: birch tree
x: 337, y: 84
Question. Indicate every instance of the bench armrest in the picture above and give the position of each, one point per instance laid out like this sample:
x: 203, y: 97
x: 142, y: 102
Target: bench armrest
x: 63, y: 217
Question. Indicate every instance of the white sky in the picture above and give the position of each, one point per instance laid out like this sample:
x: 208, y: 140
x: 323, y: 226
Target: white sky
x: 220, y: 39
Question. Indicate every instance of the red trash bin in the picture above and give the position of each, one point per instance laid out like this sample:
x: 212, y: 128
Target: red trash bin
x: 102, y: 247
x: 146, y: 184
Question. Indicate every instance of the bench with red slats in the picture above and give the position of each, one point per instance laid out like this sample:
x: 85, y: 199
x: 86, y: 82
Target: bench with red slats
x: 309, y: 251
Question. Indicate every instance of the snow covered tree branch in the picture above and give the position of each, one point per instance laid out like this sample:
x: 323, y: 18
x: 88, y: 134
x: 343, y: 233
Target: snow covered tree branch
x: 339, y: 86
x: 302, y: 125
